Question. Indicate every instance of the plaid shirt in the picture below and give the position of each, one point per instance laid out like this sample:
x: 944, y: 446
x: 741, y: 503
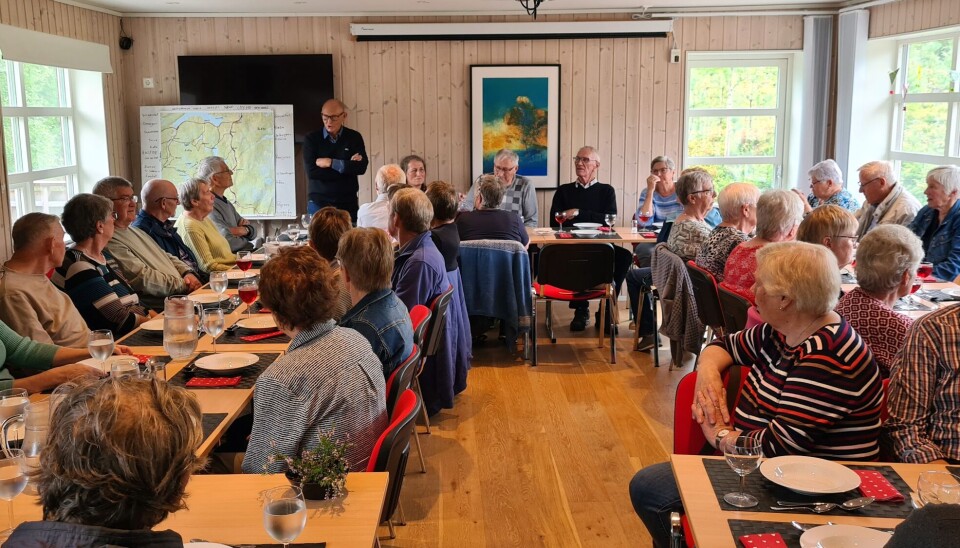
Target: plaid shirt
x: 520, y: 198
x: 924, y: 402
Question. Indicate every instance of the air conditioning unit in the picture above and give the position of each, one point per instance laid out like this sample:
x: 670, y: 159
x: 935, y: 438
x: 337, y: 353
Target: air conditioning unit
x: 380, y: 32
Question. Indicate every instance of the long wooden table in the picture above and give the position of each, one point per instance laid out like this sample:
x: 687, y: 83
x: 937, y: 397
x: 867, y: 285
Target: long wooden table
x: 227, y: 509
x: 709, y: 522
x: 624, y: 236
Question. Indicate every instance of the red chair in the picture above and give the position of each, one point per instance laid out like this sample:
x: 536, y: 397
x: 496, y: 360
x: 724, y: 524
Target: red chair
x: 420, y: 317
x: 391, y: 451
x: 402, y: 377
x: 707, y: 297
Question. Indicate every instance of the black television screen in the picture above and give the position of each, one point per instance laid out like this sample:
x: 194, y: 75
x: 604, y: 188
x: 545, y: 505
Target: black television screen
x: 304, y: 81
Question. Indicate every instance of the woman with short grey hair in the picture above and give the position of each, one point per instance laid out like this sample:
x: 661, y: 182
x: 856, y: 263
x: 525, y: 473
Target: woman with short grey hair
x: 695, y: 191
x: 738, y: 208
x: 887, y: 262
x: 198, y: 231
x: 938, y: 223
x: 826, y: 187
x: 779, y: 213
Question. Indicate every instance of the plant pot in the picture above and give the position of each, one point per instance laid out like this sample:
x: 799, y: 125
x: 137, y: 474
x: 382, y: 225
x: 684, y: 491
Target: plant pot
x: 311, y: 491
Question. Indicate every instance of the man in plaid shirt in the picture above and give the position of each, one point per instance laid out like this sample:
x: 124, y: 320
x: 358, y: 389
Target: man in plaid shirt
x: 519, y: 195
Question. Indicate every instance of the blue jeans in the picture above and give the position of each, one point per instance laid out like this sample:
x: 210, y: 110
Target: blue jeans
x: 641, y: 279
x: 654, y: 494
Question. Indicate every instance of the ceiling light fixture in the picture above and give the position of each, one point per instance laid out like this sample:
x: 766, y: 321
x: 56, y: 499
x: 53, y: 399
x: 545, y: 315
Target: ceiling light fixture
x: 531, y: 6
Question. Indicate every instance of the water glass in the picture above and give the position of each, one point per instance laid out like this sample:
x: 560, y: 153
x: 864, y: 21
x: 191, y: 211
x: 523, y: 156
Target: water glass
x: 743, y: 457
x: 609, y: 219
x: 13, y: 480
x: 212, y: 322
x: 12, y: 402
x: 155, y: 368
x: 271, y: 247
x: 284, y: 513
x: 218, y: 283
x: 100, y: 345
x: 293, y: 232
x: 125, y: 366
x: 935, y: 487
x: 305, y: 220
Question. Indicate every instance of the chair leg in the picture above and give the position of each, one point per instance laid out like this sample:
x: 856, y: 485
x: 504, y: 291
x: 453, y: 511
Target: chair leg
x: 423, y: 408
x: 614, y: 316
x: 533, y: 333
x: 403, y: 519
x: 393, y: 533
x: 603, y: 322
x: 376, y: 541
x: 553, y: 337
x: 416, y: 438
x: 654, y: 300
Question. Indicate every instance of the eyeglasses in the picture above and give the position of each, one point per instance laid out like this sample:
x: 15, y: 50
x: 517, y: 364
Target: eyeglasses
x: 113, y: 217
x: 710, y: 190
x: 581, y: 160
x: 855, y: 239
x: 133, y: 199
x: 162, y: 198
x: 228, y: 171
x: 331, y: 117
x: 870, y: 181
x: 661, y: 170
x: 502, y: 169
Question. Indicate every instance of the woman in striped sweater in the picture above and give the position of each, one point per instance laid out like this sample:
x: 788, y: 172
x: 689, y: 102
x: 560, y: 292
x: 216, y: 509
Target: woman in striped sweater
x: 813, y: 387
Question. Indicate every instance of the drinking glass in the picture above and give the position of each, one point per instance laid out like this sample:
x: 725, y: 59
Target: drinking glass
x: 909, y: 302
x: 560, y: 217
x: 218, y: 283
x: 13, y: 480
x: 100, y: 345
x: 125, y: 366
x: 12, y: 402
x: 744, y: 457
x: 156, y: 368
x: 284, y: 513
x: 293, y: 232
x: 644, y: 218
x: 248, y: 292
x: 925, y: 270
x: 212, y: 321
x: 305, y: 220
x: 610, y: 218
x: 244, y: 260
x: 936, y: 487
x: 270, y: 247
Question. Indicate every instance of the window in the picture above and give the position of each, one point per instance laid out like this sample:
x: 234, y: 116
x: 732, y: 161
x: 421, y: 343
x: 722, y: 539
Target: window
x: 736, y: 111
x: 39, y: 142
x: 926, y: 103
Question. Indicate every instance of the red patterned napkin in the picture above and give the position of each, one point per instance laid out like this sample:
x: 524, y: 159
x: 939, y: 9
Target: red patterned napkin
x: 649, y: 234
x: 605, y: 229
x: 564, y: 235
x: 763, y: 540
x: 141, y: 358
x: 873, y: 484
x: 213, y: 382
x: 260, y: 337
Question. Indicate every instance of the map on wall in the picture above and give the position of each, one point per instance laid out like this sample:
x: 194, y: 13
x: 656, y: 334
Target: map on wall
x: 255, y: 141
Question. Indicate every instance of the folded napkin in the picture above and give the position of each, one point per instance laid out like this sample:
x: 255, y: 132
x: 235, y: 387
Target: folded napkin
x: 763, y: 540
x: 873, y: 484
x: 649, y: 234
x: 605, y: 229
x: 141, y: 358
x: 213, y: 382
x: 260, y: 337
x: 564, y: 235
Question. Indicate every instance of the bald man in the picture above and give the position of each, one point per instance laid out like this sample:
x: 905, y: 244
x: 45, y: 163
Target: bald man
x: 160, y: 202
x: 333, y: 158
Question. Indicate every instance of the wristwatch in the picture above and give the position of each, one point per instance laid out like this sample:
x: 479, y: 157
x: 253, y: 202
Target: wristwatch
x: 719, y: 436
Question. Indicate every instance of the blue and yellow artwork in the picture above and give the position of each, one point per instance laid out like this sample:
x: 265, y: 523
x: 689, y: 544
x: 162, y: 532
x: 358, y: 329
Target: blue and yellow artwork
x: 515, y: 117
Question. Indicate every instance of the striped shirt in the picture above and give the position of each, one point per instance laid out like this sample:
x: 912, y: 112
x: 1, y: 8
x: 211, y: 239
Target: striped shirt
x: 105, y: 300
x: 329, y: 381
x: 924, y: 402
x: 820, y: 398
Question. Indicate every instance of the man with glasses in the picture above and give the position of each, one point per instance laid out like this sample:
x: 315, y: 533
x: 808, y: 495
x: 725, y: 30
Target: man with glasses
x: 239, y: 233
x: 519, y: 195
x: 150, y: 271
x: 160, y: 203
x: 885, y: 201
x: 333, y: 158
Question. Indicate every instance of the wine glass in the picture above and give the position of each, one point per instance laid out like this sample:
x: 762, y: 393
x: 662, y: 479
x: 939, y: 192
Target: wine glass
x: 560, y: 217
x: 100, y: 345
x: 925, y: 270
x: 125, y: 366
x: 13, y: 480
x: 244, y: 260
x: 305, y: 220
x: 156, y: 368
x: 609, y: 219
x: 218, y: 283
x: 935, y: 487
x: 284, y: 513
x: 212, y: 321
x: 644, y: 218
x: 248, y: 292
x: 909, y: 302
x: 744, y: 457
x: 293, y: 231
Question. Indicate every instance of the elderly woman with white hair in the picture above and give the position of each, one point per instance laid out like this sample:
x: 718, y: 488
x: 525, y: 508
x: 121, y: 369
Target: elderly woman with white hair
x: 659, y: 200
x: 938, y: 223
x: 887, y: 262
x: 376, y: 214
x: 826, y: 187
x: 779, y: 213
x: 198, y: 231
x: 738, y: 208
x: 695, y: 191
x: 812, y: 386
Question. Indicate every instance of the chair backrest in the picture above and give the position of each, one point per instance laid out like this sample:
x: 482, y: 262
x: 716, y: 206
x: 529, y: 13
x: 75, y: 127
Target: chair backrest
x: 420, y: 318
x: 664, y: 233
x: 705, y: 292
x: 576, y: 267
x: 734, y: 310
x: 402, y: 377
x: 687, y: 434
x: 438, y: 322
x: 884, y: 412
x: 393, y: 447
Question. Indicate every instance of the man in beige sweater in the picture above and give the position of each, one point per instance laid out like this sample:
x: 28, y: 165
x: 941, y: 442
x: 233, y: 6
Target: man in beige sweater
x: 29, y: 303
x: 153, y: 273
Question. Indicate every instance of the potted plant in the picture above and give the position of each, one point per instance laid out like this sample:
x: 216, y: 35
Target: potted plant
x: 320, y: 472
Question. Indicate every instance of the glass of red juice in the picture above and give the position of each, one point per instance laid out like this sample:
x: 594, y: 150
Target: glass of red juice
x: 244, y: 260
x: 925, y: 271
x: 249, y: 289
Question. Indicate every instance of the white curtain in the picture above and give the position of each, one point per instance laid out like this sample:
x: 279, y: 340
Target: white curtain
x: 817, y: 51
x: 851, y: 52
x: 40, y: 48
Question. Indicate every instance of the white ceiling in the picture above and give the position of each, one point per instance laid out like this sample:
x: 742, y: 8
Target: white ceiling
x: 425, y: 7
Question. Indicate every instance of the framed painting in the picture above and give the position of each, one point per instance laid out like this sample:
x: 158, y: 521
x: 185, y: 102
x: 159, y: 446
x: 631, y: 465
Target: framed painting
x: 516, y: 107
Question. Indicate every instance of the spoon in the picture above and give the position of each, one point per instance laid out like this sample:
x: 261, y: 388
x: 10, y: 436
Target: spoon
x: 821, y: 507
x: 797, y: 525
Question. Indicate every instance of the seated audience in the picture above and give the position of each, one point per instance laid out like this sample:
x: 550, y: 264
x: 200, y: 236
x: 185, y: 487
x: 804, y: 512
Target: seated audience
x: 779, y: 213
x: 738, y: 209
x: 519, y: 194
x: 327, y: 226
x: 29, y: 302
x: 376, y: 213
x: 812, y: 387
x: 487, y: 221
x: 938, y: 223
x: 198, y: 231
x: 826, y: 187
x: 105, y: 300
x: 832, y: 227
x: 160, y: 203
x: 329, y: 381
x: 377, y: 313
x: 887, y: 262
x: 659, y: 199
x: 239, y: 232
x: 695, y: 191
x: 415, y: 170
x: 443, y: 198
x: 116, y: 463
x: 150, y: 271
x: 419, y: 276
x: 884, y: 200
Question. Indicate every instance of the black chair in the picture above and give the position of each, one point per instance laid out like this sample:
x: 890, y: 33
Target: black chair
x: 708, y: 300
x: 431, y: 343
x: 734, y: 310
x: 574, y: 273
x: 664, y: 233
x: 402, y: 377
x: 391, y: 451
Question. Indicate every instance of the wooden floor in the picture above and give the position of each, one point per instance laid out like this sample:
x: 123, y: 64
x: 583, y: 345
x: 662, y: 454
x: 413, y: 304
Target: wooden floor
x: 542, y: 456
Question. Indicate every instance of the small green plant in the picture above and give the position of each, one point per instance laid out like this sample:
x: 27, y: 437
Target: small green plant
x: 325, y: 466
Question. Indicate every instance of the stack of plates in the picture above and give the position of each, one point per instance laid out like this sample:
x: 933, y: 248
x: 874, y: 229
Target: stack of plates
x: 586, y: 232
x: 587, y: 226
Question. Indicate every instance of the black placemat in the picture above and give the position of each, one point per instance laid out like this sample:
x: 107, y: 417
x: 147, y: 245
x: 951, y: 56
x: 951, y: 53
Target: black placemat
x: 210, y: 422
x: 936, y: 295
x: 234, y: 283
x: 898, y: 306
x: 294, y: 544
x: 143, y: 337
x: 724, y: 480
x: 234, y: 337
x: 847, y: 278
x: 247, y: 378
x: 790, y: 534
x: 954, y: 470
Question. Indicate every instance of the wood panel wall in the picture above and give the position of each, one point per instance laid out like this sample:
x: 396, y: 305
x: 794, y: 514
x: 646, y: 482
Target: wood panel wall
x: 906, y: 16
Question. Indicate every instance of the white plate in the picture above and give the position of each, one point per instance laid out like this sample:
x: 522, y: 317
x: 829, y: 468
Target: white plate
x: 260, y: 321
x: 810, y: 475
x: 286, y: 243
x: 258, y: 257
x: 155, y: 324
x: 587, y: 225
x: 951, y: 291
x: 205, y: 298
x: 584, y: 232
x: 93, y: 362
x: 543, y: 231
x: 843, y: 536
x: 657, y: 224
x: 226, y: 363
x: 238, y: 274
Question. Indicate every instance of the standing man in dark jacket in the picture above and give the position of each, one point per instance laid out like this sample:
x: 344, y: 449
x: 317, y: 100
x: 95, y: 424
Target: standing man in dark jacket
x: 333, y: 158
